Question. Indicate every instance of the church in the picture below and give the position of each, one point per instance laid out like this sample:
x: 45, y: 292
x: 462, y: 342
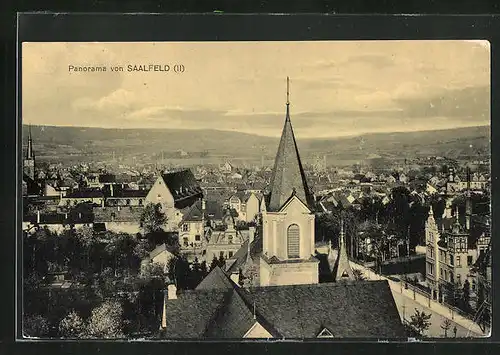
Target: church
x: 283, y: 250
x: 270, y: 288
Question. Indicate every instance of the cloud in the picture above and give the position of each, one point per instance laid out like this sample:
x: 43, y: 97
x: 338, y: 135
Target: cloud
x: 374, y: 60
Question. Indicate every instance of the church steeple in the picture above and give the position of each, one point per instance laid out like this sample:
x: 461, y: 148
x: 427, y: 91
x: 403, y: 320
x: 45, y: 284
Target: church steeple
x: 288, y: 173
x: 343, y: 271
x: 29, y: 151
x: 29, y: 159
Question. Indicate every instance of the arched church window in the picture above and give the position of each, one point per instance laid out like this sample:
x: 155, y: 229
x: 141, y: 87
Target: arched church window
x: 293, y: 241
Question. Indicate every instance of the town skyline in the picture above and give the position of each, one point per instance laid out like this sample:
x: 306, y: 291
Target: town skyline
x: 364, y: 87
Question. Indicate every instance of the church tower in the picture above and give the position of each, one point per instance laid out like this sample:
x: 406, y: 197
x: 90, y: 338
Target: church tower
x: 287, y: 218
x: 29, y: 159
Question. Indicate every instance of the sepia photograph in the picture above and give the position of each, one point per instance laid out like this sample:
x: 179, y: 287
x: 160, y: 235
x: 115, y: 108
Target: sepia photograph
x: 255, y: 190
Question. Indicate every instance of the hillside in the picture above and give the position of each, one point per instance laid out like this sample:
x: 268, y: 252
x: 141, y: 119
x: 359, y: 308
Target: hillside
x: 74, y: 143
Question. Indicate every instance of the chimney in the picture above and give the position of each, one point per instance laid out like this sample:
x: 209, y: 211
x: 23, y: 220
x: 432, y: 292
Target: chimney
x: 38, y: 216
x: 235, y: 278
x: 251, y: 234
x: 172, y: 292
x: 164, y: 313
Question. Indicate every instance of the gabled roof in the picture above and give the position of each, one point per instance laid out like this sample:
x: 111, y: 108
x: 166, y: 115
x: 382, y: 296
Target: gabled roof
x: 223, y: 310
x: 216, y: 279
x: 288, y: 173
x: 160, y: 249
x: 193, y: 213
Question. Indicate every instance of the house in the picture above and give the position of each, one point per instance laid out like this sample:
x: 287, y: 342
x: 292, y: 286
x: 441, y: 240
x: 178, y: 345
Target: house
x: 72, y: 198
x: 452, y: 250
x: 174, y: 191
x: 219, y: 309
x: 161, y: 255
x: 227, y: 242
x: 116, y: 195
x: 192, y: 227
x: 118, y: 219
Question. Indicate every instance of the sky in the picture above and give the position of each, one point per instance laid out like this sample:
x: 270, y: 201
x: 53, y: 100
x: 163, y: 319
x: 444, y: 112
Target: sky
x: 337, y: 88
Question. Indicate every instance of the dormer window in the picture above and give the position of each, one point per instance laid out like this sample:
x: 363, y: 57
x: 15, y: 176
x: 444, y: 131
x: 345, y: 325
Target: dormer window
x: 325, y: 333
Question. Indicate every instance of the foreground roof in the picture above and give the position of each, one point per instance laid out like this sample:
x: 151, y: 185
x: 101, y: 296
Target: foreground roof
x: 220, y: 309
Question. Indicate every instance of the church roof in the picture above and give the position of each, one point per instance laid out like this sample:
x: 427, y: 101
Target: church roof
x: 288, y: 174
x: 223, y: 310
x: 216, y: 279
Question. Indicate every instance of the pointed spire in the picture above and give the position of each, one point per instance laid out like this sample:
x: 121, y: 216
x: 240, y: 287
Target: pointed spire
x: 29, y: 151
x: 288, y: 173
x: 343, y: 268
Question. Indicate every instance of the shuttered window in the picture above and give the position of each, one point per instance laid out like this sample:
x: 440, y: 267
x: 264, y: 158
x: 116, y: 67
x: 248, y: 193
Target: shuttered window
x: 293, y: 241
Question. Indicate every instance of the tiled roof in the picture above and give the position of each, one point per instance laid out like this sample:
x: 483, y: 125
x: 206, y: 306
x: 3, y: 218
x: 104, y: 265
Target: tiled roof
x: 193, y: 213
x: 216, y: 279
x: 220, y: 309
x: 190, y: 315
x: 159, y: 249
x: 89, y: 193
x: 107, y: 178
x: 182, y: 184
x: 356, y: 309
x: 288, y: 173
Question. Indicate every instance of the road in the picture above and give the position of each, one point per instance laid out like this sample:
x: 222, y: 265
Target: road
x: 406, y: 302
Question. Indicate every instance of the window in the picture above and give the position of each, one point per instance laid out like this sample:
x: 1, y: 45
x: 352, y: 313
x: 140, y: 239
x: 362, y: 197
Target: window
x: 446, y: 275
x: 458, y: 260
x: 293, y: 241
x: 473, y: 285
x: 185, y: 227
x: 128, y: 202
x: 430, y: 268
x: 230, y: 239
x: 441, y: 273
x: 469, y: 260
x: 221, y: 254
x: 452, y: 279
x: 459, y: 279
x: 451, y: 260
x: 186, y: 241
x: 140, y: 202
x: 197, y: 237
x: 230, y: 254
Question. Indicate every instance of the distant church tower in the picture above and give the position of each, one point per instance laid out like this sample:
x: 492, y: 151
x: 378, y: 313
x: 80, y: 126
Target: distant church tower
x: 287, y: 218
x: 29, y: 159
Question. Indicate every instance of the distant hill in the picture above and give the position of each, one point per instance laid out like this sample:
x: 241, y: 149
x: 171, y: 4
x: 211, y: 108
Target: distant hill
x: 75, y: 143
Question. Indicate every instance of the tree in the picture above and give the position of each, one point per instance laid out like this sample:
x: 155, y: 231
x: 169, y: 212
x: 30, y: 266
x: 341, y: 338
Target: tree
x: 153, y: 219
x: 221, y: 261
x: 72, y: 326
x: 466, y: 295
x: 214, y: 263
x: 88, y: 239
x: 420, y: 322
x: 106, y: 321
x: 446, y: 325
x: 35, y: 326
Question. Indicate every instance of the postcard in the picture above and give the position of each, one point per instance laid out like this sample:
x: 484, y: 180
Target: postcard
x: 255, y: 190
